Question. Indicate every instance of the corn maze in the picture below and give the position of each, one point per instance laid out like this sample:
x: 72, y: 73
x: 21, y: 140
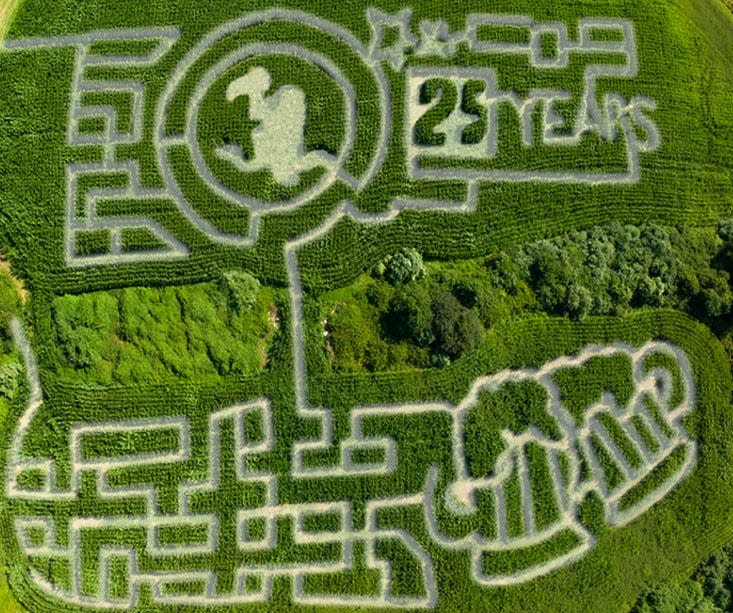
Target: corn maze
x: 539, y: 473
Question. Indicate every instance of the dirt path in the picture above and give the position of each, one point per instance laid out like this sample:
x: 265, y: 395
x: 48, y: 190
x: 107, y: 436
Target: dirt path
x: 17, y: 283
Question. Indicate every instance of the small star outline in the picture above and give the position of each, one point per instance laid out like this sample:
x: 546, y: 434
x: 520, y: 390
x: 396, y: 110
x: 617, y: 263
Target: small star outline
x: 406, y: 40
x: 437, y: 40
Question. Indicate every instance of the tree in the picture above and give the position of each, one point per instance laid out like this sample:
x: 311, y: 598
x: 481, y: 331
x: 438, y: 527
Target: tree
x: 649, y: 292
x: 668, y: 598
x: 725, y: 231
x: 724, y: 258
x: 716, y: 577
x: 409, y: 316
x: 402, y: 267
x: 550, y: 272
x: 578, y: 302
x: 505, y: 272
x: 457, y: 329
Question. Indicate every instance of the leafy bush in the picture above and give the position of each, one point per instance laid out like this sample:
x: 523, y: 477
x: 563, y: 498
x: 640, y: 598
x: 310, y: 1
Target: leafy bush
x: 687, y: 598
x: 457, y: 329
x: 716, y: 578
x: 506, y: 273
x: 409, y: 316
x: 709, y: 590
x: 242, y: 289
x: 402, y: 267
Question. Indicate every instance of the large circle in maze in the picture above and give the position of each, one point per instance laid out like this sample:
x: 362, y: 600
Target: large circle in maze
x: 270, y: 111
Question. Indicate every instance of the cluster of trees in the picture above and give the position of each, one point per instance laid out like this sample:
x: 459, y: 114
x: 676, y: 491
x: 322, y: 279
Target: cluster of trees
x: 134, y: 334
x: 608, y: 270
x: 412, y: 314
x: 436, y: 321
x: 401, y: 317
x: 709, y: 590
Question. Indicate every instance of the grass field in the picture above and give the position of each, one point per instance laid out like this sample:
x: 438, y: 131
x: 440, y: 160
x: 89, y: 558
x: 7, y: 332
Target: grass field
x: 188, y: 435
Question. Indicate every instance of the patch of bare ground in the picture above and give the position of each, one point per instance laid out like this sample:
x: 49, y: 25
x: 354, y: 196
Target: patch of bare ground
x: 17, y: 283
x: 7, y: 9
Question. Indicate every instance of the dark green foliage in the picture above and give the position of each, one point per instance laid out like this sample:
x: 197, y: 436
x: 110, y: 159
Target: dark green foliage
x: 716, y: 577
x: 578, y: 302
x: 606, y: 270
x: 506, y: 274
x: 686, y: 598
x: 187, y: 533
x: 374, y: 325
x: 457, y: 329
x: 725, y: 256
x: 409, y: 316
x: 609, y: 269
x: 93, y: 242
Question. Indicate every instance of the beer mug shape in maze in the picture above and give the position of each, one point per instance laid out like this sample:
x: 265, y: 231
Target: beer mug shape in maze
x: 531, y: 445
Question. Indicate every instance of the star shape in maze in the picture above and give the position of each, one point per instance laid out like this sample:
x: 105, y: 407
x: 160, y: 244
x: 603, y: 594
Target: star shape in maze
x: 381, y: 25
x: 436, y: 39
